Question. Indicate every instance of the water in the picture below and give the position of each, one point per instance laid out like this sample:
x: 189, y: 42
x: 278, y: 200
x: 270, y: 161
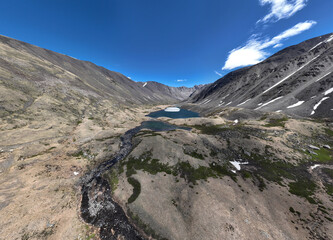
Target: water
x: 183, y: 113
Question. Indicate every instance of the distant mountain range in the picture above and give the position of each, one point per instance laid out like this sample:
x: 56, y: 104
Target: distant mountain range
x: 297, y: 80
x: 28, y: 72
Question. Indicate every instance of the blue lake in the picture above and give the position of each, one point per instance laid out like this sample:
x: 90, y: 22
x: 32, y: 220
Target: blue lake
x: 183, y: 113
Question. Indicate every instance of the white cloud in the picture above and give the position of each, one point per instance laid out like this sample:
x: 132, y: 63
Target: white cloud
x: 218, y: 73
x: 254, y: 50
x: 281, y: 9
x: 181, y: 80
x: 278, y: 45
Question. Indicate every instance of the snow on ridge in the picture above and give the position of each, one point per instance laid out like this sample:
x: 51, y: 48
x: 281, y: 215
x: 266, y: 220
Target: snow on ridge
x: 144, y: 84
x: 208, y: 101
x: 284, y: 79
x: 315, y: 46
x: 224, y: 97
x: 244, y: 102
x: 328, y: 91
x: 330, y: 38
x: 318, y: 104
x: 323, y: 76
x: 296, y: 104
x: 278, y: 111
x: 265, y: 104
x: 228, y: 104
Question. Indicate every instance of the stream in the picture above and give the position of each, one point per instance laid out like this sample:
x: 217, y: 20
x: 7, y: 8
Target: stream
x: 97, y: 206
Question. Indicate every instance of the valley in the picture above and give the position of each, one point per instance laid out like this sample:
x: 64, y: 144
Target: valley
x: 86, y: 153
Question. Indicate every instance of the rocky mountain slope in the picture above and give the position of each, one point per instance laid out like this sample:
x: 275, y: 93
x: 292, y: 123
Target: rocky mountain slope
x: 29, y: 73
x: 297, y: 80
x: 179, y: 93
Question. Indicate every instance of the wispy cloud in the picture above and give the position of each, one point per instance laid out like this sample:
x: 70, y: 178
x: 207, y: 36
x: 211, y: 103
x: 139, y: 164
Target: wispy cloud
x: 254, y: 50
x: 281, y: 9
x: 181, y: 80
x: 278, y: 45
x: 218, y: 73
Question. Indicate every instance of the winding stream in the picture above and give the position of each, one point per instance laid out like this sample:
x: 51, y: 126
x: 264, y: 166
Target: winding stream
x: 97, y: 205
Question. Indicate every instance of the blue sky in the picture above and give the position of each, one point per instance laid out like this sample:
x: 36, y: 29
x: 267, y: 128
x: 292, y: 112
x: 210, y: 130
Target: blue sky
x: 175, y: 42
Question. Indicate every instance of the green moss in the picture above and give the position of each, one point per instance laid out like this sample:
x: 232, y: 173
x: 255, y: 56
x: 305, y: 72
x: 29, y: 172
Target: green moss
x: 147, y: 164
x: 276, y: 122
x: 211, y: 129
x: 195, y: 155
x: 328, y: 172
x: 303, y: 188
x: 323, y: 155
x: 329, y: 189
x: 136, y: 189
x: 329, y: 132
x: 112, y: 177
x: 245, y: 174
x: 145, y: 227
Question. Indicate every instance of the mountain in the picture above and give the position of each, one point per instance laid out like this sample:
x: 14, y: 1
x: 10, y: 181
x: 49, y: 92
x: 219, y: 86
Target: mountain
x: 179, y: 93
x: 29, y: 73
x: 297, y: 80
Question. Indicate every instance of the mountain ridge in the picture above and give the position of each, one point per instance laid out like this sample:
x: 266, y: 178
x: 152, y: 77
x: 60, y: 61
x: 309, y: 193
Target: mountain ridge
x: 291, y: 74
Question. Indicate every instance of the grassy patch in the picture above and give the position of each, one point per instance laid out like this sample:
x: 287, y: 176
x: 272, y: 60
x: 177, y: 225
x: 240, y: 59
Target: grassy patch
x: 329, y: 189
x: 112, y: 177
x: 324, y: 155
x: 329, y: 132
x: 136, y: 189
x: 146, y: 228
x: 303, y: 188
x: 280, y: 122
x: 328, y: 172
x: 147, y: 164
x: 195, y: 155
x: 211, y: 129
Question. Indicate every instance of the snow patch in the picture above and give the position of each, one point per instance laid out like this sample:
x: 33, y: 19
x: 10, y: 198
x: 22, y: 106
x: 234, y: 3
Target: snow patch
x: 323, y: 76
x: 315, y: 46
x: 76, y: 173
x: 236, y: 121
x: 329, y: 39
x: 299, y: 103
x: 144, y: 84
x: 244, y: 102
x: 238, y: 164
x: 328, y: 91
x: 172, y: 109
x: 284, y: 79
x: 278, y: 111
x: 318, y: 104
x: 265, y: 104
x: 314, y: 166
x: 228, y: 104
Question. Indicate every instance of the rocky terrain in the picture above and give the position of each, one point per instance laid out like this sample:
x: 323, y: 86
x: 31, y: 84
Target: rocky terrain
x: 297, y: 81
x: 74, y: 163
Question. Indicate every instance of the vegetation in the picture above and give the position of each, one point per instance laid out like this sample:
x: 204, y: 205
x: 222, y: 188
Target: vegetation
x: 329, y: 132
x: 112, y: 177
x: 143, y: 226
x: 276, y: 122
x: 195, y: 155
x: 136, y: 189
x: 303, y: 188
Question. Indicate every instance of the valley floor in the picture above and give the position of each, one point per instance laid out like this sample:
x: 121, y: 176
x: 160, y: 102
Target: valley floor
x: 176, y: 184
